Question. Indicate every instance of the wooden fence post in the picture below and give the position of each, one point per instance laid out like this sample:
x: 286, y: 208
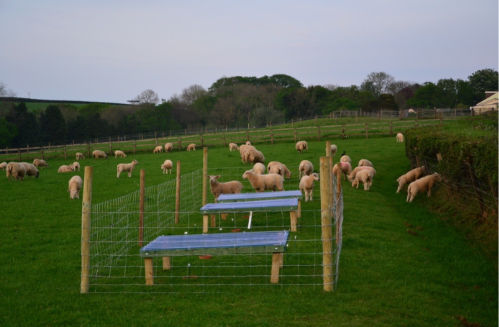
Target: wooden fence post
x: 177, y: 198
x: 141, y: 206
x: 86, y: 214
x: 326, y: 224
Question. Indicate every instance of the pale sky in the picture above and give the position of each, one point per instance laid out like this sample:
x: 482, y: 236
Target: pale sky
x: 112, y: 50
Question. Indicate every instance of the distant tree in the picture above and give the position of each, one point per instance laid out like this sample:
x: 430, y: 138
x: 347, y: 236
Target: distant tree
x: 377, y: 83
x: 148, y: 96
x: 8, y: 132
x: 26, y: 123
x: 263, y: 116
x: 425, y: 97
x: 396, y: 86
x: 5, y: 92
x: 52, y: 125
x: 156, y: 118
x: 405, y: 94
x: 481, y: 81
x: 383, y: 102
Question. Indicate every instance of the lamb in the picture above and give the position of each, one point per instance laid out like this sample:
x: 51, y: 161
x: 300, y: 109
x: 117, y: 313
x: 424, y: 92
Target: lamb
x: 119, y: 153
x: 354, y: 172
x: 96, y: 154
x: 334, y: 149
x: 126, y: 167
x: 40, y: 163
x: 232, y: 187
x: 76, y: 165
x: 301, y: 145
x: 233, y: 146
x: 74, y: 187
x: 365, y: 162
x: 279, y: 168
x: 400, y: 137
x: 192, y: 147
x: 410, y: 177
x: 16, y: 170
x: 259, y: 168
x: 345, y: 168
x: 264, y: 182
x: 345, y: 158
x: 365, y: 177
x: 79, y: 156
x: 423, y: 184
x: 31, y: 169
x: 3, y: 165
x: 305, y: 168
x: 168, y: 147
x: 253, y: 156
x: 65, y: 169
x: 167, y: 166
x: 158, y: 149
x: 307, y: 185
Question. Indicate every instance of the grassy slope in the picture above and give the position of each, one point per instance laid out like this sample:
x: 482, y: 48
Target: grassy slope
x: 388, y: 277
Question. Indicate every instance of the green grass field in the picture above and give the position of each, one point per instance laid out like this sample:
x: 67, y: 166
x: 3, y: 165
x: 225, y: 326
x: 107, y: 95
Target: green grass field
x: 388, y: 277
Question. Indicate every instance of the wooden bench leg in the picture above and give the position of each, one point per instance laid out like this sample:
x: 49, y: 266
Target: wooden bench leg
x: 224, y: 216
x: 213, y: 220
x: 149, y: 272
x: 298, y: 212
x: 292, y: 218
x: 205, y: 223
x: 276, y: 263
x: 166, y: 263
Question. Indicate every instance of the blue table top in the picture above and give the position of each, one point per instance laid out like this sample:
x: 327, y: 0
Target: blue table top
x: 290, y: 204
x: 260, y: 196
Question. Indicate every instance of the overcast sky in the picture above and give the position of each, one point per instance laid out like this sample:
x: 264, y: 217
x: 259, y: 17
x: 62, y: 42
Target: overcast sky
x: 112, y: 50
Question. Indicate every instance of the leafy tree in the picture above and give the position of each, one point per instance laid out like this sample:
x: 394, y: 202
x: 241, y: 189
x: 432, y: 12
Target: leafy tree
x: 148, y: 96
x: 156, y: 118
x: 384, y: 102
x: 8, y: 132
x: 377, y: 83
x: 481, y: 81
x: 26, y: 123
x: 52, y: 125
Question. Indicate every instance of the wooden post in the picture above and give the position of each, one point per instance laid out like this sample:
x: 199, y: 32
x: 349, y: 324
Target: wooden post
x: 318, y: 133
x: 141, y: 206
x: 134, y: 145
x: 149, y: 271
x: 326, y: 223
x: 65, y: 153
x: 367, y: 136
x: 86, y: 214
x: 205, y: 175
x: 177, y: 197
x: 276, y: 263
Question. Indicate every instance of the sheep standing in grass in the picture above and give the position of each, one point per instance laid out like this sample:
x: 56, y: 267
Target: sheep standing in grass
x: 354, y: 172
x: 345, y: 158
x: 15, y: 170
x: 233, y: 146
x: 301, y: 145
x: 307, y: 185
x: 410, y: 177
x: 65, y: 169
x: 31, y: 169
x: 79, y: 156
x: 305, y: 168
x: 74, y: 187
x: 96, y: 154
x: 264, y: 182
x: 280, y: 169
x: 158, y: 149
x: 334, y: 149
x: 259, y: 168
x: 400, y: 137
x: 40, y: 163
x: 167, y: 166
x: 423, y: 184
x: 168, y: 147
x: 217, y: 188
x: 76, y: 166
x: 126, y: 167
x: 365, y: 162
x: 253, y: 156
x: 242, y: 151
x: 119, y: 153
x: 365, y: 177
x: 192, y: 147
x: 344, y: 167
x: 3, y: 165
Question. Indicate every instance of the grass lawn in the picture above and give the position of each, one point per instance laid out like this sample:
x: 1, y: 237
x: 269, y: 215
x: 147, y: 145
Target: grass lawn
x: 388, y: 277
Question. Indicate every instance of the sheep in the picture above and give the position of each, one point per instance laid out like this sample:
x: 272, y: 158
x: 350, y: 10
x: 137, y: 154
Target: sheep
x: 232, y: 187
x: 233, y: 146
x: 423, y: 184
x: 365, y: 162
x: 3, y: 165
x: 16, y: 170
x: 192, y: 147
x: 158, y: 149
x: 126, y: 167
x: 167, y: 166
x: 65, y: 169
x: 345, y: 168
x: 305, y: 168
x: 242, y: 151
x: 279, y: 168
x: 307, y: 185
x: 259, y: 168
x: 248, y: 143
x: 40, y: 163
x: 119, y: 153
x: 410, y: 177
x: 74, y: 187
x: 334, y: 149
x: 264, y: 182
x: 76, y: 165
x: 345, y: 158
x: 96, y: 154
x: 365, y: 177
x: 400, y: 137
x: 168, y: 147
x: 253, y: 156
x: 31, y: 169
x: 79, y: 156
x: 354, y: 172
x: 301, y: 145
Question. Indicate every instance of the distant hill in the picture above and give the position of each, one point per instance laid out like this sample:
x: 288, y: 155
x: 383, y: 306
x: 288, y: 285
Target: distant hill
x: 34, y: 104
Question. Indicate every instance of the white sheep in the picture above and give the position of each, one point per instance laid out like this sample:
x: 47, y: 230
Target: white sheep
x: 40, y: 163
x: 242, y: 151
x: 307, y: 185
x: 31, y: 169
x: 305, y: 168
x: 354, y: 172
x: 280, y: 169
x: 365, y: 177
x: 3, y: 165
x: 126, y: 167
x: 365, y: 162
x: 74, y: 187
x: 253, y: 156
x: 410, y: 177
x: 345, y: 158
x: 119, y: 153
x: 15, y: 170
x: 259, y: 168
x: 334, y: 149
x: 264, y: 182
x: 423, y: 184
x: 96, y: 154
x: 158, y: 149
x: 217, y: 188
x: 76, y: 166
x: 167, y: 166
x: 65, y: 169
x: 168, y: 147
x: 248, y: 143
x: 400, y: 137
x: 233, y: 146
x: 79, y: 156
x: 301, y: 145
x: 344, y: 167
x: 192, y: 147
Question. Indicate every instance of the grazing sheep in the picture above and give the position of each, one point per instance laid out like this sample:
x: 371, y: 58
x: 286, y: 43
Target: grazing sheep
x: 365, y: 162
x: 248, y: 143
x: 242, y: 151
x: 167, y: 166
x: 16, y: 170
x: 305, y: 168
x: 400, y: 137
x: 40, y: 163
x: 307, y: 185
x: 354, y: 172
x: 119, y: 153
x: 79, y: 156
x: 264, y: 182
x: 232, y: 187
x: 168, y: 147
x: 253, y: 156
x: 233, y: 146
x: 3, y: 165
x: 65, y: 169
x: 31, y: 169
x: 76, y: 165
x: 301, y: 145
x: 126, y: 167
x: 96, y: 154
x: 192, y: 147
x: 74, y: 187
x: 259, y: 168
x: 365, y: 177
x: 279, y: 168
x: 345, y: 158
x: 410, y: 177
x: 423, y: 184
x: 334, y: 149
x: 345, y: 168
x: 158, y: 149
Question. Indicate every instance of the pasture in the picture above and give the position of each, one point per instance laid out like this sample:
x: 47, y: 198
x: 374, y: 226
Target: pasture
x: 387, y: 276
